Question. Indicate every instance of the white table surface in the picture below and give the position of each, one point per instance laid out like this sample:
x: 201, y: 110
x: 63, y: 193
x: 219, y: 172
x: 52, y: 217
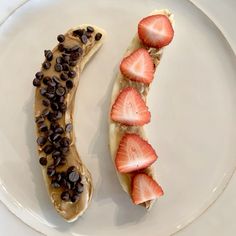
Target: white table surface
x: 219, y: 220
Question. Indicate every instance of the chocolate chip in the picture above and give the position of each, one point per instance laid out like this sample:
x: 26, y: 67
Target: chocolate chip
x: 43, y: 91
x: 78, y: 32
x: 56, y: 154
x: 51, y: 116
x: 39, y: 75
x: 68, y: 185
x: 59, y: 130
x: 55, y: 184
x: 58, y: 67
x: 51, y: 170
x: 41, y: 140
x: 43, y: 161
x: 57, y: 161
x: 72, y: 63
x: 71, y: 74
x: 63, y: 161
x: 79, y: 187
x: 84, y: 39
x: 88, y: 34
x: 58, y: 115
x: 48, y: 54
x: 59, y: 60
x: 63, y: 107
x: 46, y: 79
x: 43, y: 128
x: 60, y: 91
x: 66, y: 58
x: 74, y: 56
x: 75, y: 197
x: 73, y: 176
x: 57, y: 177
x: 98, y: 36
x: 54, y: 106
x: 70, y: 169
x: 61, y: 47
x: 68, y: 127
x: 61, y: 99
x: 69, y: 84
x: 90, y: 29
x: 39, y: 119
x: 46, y: 102
x: 36, y: 82
x: 61, y: 38
x: 48, y: 149
x: 64, y: 77
x: 54, y: 137
x: 45, y: 112
x: 65, y: 142
x: 63, y: 183
x: 51, y: 83
x: 65, y: 67
x: 56, y: 79
x: 50, y: 95
x: 54, y: 125
x: 51, y: 89
x: 64, y: 150
x: 65, y: 196
x: 46, y: 65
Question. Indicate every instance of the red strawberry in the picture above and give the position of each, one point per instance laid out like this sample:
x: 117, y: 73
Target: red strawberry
x: 134, y: 153
x: 138, y: 66
x: 155, y: 31
x: 130, y: 109
x: 144, y: 188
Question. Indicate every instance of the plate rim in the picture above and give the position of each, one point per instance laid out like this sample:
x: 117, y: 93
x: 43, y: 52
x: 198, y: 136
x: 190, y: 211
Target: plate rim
x: 19, y: 211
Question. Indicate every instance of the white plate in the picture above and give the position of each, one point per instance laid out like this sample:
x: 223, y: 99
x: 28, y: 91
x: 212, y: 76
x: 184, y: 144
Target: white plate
x: 192, y: 101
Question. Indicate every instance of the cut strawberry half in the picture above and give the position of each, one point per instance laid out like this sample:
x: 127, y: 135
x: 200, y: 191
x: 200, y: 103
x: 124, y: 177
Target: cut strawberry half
x: 144, y: 188
x: 134, y: 153
x: 138, y: 66
x: 155, y: 31
x: 130, y: 109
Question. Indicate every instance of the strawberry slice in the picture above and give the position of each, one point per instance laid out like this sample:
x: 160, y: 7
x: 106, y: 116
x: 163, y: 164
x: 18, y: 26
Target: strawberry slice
x: 138, y: 66
x: 144, y: 188
x: 155, y: 31
x: 134, y: 153
x: 130, y: 109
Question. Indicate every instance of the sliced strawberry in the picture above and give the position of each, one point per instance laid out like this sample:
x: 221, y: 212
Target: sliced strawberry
x: 155, y: 31
x: 144, y: 188
x: 138, y: 66
x: 134, y: 153
x: 130, y: 109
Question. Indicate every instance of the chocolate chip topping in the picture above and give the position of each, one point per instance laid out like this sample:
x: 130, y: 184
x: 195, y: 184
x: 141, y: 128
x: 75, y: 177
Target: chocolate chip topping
x: 90, y: 29
x: 68, y: 127
x: 48, y: 55
x: 41, y: 140
x: 65, y: 196
x: 53, y: 140
x: 61, y: 38
x: 98, y: 36
x: 36, y: 82
x: 43, y: 161
x: 39, y: 75
x: 69, y: 84
x: 58, y: 67
x: 84, y: 39
x: 46, y: 65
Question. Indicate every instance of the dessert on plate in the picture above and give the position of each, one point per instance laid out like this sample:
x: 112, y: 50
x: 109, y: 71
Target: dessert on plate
x: 67, y: 179
x: 132, y: 154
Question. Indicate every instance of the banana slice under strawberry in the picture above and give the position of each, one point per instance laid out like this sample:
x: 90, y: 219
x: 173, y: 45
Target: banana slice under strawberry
x: 133, y: 156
